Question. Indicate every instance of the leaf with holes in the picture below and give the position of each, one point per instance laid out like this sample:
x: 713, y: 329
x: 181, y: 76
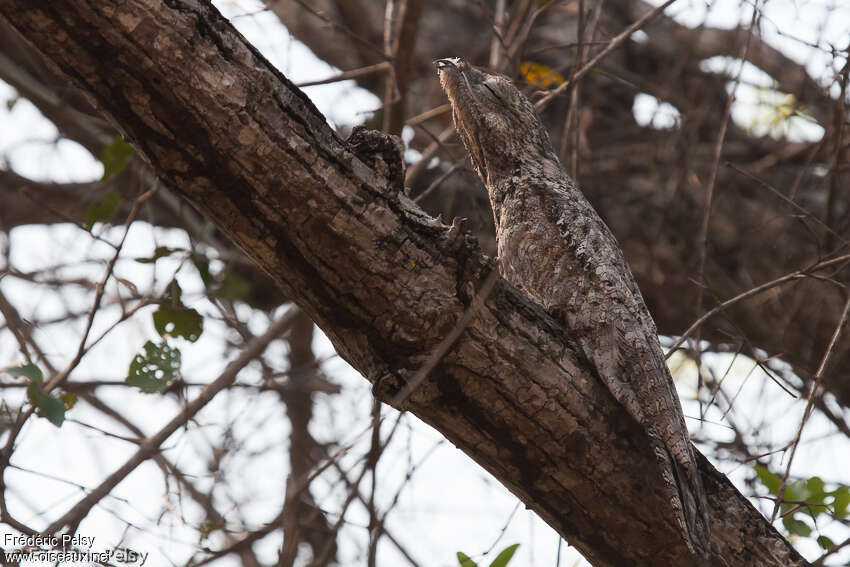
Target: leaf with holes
x: 181, y: 322
x: 155, y: 369
x: 175, y: 319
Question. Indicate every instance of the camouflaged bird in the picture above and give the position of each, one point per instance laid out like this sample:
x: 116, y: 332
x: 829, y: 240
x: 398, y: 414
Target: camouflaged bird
x: 553, y: 245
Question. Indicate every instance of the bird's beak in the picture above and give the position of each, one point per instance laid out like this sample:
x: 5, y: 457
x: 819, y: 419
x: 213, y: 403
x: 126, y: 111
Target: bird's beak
x: 443, y: 64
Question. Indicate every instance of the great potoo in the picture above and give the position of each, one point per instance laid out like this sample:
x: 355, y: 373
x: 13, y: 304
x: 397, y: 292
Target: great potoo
x: 554, y: 246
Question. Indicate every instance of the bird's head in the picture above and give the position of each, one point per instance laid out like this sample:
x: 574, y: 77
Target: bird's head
x: 497, y: 123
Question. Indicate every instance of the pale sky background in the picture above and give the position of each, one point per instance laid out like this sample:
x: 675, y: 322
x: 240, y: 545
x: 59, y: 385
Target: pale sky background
x: 450, y: 504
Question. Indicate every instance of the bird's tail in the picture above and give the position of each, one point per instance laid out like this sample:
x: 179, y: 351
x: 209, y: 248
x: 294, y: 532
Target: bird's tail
x: 693, y: 502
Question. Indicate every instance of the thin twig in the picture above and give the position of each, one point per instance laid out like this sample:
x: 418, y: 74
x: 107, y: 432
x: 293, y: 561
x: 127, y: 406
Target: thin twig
x: 435, y: 184
x: 415, y: 170
x: 354, y: 492
x: 751, y: 292
x: 375, y: 450
x: 832, y: 551
x: 57, y: 379
x: 377, y: 68
x: 802, y: 210
x: 498, y: 34
x: 101, y: 289
x: 390, y: 87
x: 150, y: 446
x: 832, y: 193
x: 571, y: 121
x: 405, y: 29
x: 519, y: 16
x: 712, y: 184
x: 517, y: 39
x: 612, y: 45
x: 809, y: 405
x: 428, y: 114
x: 344, y: 29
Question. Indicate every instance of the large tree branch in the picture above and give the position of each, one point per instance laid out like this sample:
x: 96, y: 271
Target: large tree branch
x: 384, y: 281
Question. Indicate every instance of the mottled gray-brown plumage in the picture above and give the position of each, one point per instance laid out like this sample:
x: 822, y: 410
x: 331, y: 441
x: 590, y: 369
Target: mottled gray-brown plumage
x: 553, y: 245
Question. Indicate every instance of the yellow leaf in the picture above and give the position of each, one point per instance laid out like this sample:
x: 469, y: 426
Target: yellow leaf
x: 540, y: 75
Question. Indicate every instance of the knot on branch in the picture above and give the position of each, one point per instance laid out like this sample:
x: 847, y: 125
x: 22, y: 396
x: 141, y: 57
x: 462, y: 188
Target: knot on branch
x: 382, y: 152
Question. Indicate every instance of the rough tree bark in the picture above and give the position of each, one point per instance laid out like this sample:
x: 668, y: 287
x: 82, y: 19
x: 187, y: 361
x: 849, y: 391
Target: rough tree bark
x: 386, y: 282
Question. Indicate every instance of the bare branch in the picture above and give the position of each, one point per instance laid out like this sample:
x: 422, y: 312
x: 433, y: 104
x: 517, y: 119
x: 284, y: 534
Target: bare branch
x: 150, y: 446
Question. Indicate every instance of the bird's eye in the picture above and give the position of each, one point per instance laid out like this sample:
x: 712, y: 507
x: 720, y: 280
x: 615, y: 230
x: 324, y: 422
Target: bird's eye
x: 494, y: 89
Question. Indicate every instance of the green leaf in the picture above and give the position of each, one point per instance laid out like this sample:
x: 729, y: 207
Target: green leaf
x: 815, y: 488
x: 233, y: 287
x: 796, y: 527
x: 767, y: 478
x: 505, y: 556
x: 153, y: 371
x: 841, y: 500
x: 102, y: 211
x: 114, y: 157
x: 159, y: 252
x: 31, y: 371
x: 825, y: 543
x: 45, y: 404
x: 184, y: 322
x: 174, y: 294
x: 203, y: 266
x: 175, y: 319
x: 464, y: 560
x: 816, y: 497
x: 795, y: 491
